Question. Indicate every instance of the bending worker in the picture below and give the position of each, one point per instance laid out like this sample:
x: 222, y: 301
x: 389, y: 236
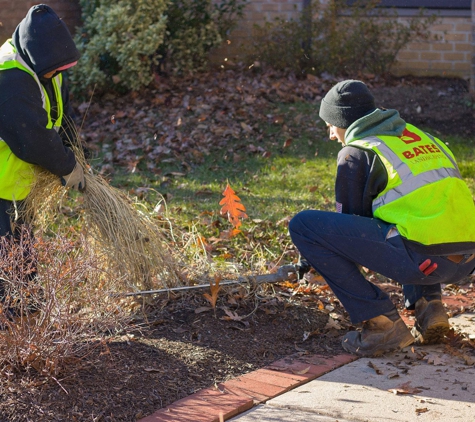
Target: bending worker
x: 403, y: 211
x: 34, y: 104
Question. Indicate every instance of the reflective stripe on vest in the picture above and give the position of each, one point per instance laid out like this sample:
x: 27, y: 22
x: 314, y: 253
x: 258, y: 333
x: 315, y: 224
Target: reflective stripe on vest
x: 16, y: 175
x: 418, y: 162
x: 408, y: 184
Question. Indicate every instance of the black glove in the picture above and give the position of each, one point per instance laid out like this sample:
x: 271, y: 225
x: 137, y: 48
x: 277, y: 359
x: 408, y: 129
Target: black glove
x: 302, y: 267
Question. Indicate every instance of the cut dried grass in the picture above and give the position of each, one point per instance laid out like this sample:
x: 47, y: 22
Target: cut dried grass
x: 137, y: 248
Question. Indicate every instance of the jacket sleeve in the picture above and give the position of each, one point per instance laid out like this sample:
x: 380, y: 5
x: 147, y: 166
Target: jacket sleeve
x: 361, y: 176
x: 23, y: 123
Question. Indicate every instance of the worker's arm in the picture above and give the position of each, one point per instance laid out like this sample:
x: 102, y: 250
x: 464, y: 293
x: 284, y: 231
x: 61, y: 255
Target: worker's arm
x: 360, y: 178
x: 23, y: 123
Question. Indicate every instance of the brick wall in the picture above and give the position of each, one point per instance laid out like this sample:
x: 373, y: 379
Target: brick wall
x: 13, y: 11
x: 450, y: 55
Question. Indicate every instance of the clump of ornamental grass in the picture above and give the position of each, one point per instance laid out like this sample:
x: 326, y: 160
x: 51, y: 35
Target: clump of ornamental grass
x: 54, y: 309
x: 136, y: 247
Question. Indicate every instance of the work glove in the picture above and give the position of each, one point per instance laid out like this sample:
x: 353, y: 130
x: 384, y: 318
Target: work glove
x: 302, y: 267
x: 75, y: 179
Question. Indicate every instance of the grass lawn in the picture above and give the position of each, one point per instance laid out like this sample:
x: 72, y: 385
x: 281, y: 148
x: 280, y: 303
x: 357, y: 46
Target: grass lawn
x: 285, y: 165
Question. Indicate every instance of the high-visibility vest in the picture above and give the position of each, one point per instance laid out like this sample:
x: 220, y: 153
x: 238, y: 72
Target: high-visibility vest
x: 425, y: 197
x: 16, y: 175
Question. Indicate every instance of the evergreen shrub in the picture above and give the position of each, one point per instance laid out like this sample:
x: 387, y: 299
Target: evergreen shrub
x: 124, y: 42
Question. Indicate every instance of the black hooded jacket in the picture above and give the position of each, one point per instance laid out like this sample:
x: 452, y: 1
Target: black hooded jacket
x: 44, y: 42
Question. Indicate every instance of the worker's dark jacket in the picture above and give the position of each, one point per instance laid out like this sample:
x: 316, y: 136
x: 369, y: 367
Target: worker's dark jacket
x: 45, y: 44
x: 361, y: 176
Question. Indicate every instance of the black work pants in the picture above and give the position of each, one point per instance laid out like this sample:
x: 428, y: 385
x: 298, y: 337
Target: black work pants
x: 337, y: 244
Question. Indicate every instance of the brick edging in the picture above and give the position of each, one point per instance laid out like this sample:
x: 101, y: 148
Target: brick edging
x: 237, y: 395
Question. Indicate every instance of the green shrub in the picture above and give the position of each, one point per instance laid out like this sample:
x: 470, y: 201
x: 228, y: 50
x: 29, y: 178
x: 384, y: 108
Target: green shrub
x: 123, y: 41
x: 118, y: 43
x: 191, y: 33
x: 338, y: 39
x: 194, y: 28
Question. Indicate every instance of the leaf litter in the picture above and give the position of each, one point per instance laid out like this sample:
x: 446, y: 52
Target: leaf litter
x: 179, y: 346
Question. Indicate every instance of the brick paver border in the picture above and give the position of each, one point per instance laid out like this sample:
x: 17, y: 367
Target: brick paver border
x: 237, y: 395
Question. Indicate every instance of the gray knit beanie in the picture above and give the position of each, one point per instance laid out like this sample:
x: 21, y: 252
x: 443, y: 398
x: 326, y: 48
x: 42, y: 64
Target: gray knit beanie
x: 346, y: 102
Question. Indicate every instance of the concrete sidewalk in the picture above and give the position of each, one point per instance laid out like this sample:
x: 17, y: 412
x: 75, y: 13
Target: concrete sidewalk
x: 430, y: 383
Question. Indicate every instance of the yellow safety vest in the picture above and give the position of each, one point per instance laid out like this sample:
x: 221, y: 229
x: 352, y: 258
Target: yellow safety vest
x: 16, y: 175
x: 426, y: 197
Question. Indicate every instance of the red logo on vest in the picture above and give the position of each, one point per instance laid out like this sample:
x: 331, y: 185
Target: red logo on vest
x: 409, y: 137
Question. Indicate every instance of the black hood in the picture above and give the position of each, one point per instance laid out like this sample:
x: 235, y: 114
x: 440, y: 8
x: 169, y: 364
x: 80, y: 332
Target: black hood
x: 44, y: 41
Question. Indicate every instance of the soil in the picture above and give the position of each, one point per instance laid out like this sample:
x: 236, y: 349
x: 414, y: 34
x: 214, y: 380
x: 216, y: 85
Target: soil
x: 176, y: 348
x: 441, y: 105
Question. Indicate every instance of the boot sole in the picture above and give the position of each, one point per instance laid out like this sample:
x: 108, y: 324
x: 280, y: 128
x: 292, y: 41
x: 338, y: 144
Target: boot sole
x: 408, y: 340
x: 434, y: 334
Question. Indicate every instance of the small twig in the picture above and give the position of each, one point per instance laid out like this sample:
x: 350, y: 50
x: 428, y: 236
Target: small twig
x: 57, y: 382
x: 87, y: 109
x: 252, y: 312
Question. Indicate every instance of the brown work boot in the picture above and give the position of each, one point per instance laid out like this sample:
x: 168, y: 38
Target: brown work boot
x: 382, y: 334
x: 432, y: 322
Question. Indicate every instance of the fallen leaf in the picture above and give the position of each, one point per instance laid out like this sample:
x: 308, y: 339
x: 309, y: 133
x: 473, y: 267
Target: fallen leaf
x: 285, y: 221
x: 246, y: 127
x: 435, y: 360
x: 228, y: 234
x: 232, y: 207
x: 405, y: 389
x: 301, y: 372
x: 469, y: 360
x: 202, y: 309
x: 230, y: 315
x: 214, y: 288
x: 376, y: 369
x: 332, y: 324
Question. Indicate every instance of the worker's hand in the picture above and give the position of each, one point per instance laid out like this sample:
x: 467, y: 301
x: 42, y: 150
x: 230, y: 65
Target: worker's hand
x: 302, y: 267
x: 75, y: 179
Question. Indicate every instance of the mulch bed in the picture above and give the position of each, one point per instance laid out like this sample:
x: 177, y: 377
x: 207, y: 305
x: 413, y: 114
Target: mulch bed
x: 175, y: 348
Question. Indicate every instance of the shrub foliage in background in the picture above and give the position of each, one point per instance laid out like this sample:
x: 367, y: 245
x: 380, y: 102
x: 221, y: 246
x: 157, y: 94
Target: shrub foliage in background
x: 339, y: 39
x: 194, y: 27
x: 123, y: 42
x: 118, y: 42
